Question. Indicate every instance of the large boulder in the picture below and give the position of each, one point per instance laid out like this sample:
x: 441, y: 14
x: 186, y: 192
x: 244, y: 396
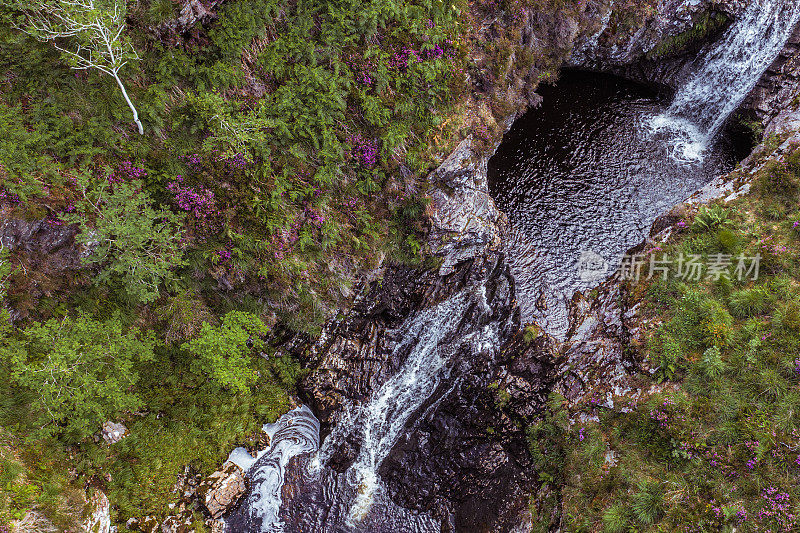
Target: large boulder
x: 221, y: 490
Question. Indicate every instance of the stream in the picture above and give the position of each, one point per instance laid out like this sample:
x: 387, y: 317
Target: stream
x: 581, y: 179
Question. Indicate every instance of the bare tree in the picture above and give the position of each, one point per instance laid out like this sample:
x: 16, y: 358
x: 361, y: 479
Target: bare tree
x: 87, y: 32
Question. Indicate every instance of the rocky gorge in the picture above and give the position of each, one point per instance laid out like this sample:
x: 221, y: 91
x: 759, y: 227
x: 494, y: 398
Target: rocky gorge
x: 457, y: 457
x: 463, y: 457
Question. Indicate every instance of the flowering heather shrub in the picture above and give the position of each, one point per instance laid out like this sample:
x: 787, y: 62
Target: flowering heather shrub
x: 8, y: 196
x: 664, y: 414
x: 362, y: 69
x: 200, y: 202
x: 364, y: 151
x: 776, y: 510
x: 127, y: 171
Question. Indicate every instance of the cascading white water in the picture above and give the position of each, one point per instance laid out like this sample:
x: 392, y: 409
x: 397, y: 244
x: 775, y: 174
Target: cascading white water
x: 724, y: 75
x: 382, y: 420
x: 428, y: 340
x: 295, y: 433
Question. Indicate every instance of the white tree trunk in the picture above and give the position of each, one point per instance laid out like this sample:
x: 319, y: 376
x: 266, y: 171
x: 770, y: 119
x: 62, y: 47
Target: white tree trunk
x: 130, y: 104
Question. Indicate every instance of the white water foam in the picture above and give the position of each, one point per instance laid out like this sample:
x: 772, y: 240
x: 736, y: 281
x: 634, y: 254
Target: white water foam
x: 294, y: 433
x: 723, y: 76
x: 382, y: 420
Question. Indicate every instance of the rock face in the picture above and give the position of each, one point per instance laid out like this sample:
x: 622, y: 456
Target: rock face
x: 467, y: 460
x: 649, y: 44
x: 222, y: 489
x: 355, y: 354
x: 658, y: 47
x: 46, y: 253
x: 464, y: 459
x: 99, y: 520
x: 465, y: 220
x: 778, y: 90
x: 192, y: 13
x: 596, y: 361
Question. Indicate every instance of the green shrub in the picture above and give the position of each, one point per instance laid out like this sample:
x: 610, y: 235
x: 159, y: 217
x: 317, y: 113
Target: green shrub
x: 80, y: 372
x: 224, y: 351
x: 788, y: 316
x: 134, y: 243
x: 716, y: 325
x: 531, y: 332
x: 615, y: 519
x: 712, y: 364
x: 710, y: 218
x: 648, y: 502
x: 727, y: 240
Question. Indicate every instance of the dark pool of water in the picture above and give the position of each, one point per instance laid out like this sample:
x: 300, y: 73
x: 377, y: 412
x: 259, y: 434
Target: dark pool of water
x: 583, y: 177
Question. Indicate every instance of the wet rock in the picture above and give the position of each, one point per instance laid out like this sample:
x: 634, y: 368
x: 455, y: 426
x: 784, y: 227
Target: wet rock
x: 785, y: 122
x: 465, y: 220
x: 222, y: 489
x: 642, y: 49
x: 113, y: 432
x: 216, y: 526
x: 597, y: 357
x: 774, y: 97
x: 467, y: 459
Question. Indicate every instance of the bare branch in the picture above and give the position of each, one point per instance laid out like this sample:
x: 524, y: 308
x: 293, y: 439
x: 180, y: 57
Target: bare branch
x: 94, y: 33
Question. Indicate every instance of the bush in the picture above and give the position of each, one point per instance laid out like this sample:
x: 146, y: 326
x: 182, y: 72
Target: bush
x: 788, y: 316
x: 712, y: 364
x: 223, y: 351
x: 134, y: 243
x: 615, y: 519
x: 81, y: 372
x: 716, y: 325
x: 727, y: 240
x: 710, y: 218
x: 648, y: 502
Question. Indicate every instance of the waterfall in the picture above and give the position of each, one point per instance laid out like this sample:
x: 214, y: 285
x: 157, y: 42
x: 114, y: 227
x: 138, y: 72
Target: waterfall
x: 429, y: 341
x: 295, y: 433
x: 723, y: 76
x: 429, y: 338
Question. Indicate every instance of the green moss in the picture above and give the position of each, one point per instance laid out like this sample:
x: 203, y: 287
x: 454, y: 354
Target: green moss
x: 704, y: 29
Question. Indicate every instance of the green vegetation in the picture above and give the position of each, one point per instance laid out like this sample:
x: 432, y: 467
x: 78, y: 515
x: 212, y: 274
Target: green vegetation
x: 79, y: 372
x: 284, y: 152
x: 717, y: 446
x: 705, y: 27
x: 137, y: 246
x: 224, y: 351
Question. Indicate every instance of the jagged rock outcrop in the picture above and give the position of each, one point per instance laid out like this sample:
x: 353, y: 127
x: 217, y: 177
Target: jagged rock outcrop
x: 468, y: 459
x: 778, y: 91
x: 648, y: 43
x: 99, y: 514
x: 221, y: 490
x: 355, y: 354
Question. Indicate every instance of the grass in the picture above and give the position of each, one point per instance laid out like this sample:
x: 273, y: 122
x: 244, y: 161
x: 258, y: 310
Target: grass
x: 718, y: 448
